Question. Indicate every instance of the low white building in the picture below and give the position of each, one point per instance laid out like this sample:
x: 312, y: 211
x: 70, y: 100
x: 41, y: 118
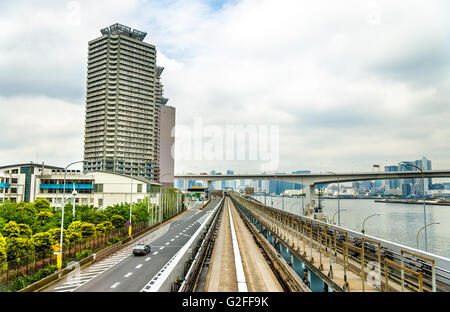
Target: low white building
x: 27, y: 182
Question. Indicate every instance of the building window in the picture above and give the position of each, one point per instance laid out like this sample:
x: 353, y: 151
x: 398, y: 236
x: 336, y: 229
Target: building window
x: 13, y: 190
x: 98, y: 188
x: 139, y: 188
x: 100, y: 202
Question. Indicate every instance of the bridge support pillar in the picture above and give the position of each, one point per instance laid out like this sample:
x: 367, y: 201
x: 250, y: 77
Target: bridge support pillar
x: 310, y: 196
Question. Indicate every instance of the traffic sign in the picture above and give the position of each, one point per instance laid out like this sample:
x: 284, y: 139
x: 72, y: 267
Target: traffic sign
x: 56, y: 247
x: 128, y: 223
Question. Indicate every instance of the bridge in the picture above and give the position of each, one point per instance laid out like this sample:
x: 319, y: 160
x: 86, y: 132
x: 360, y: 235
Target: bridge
x: 238, y: 244
x: 310, y: 180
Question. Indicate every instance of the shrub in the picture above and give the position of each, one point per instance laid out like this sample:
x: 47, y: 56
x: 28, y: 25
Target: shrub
x: 82, y: 254
x: 18, y: 247
x: 44, y: 216
x: 2, y: 249
x: 117, y: 221
x: 42, y: 204
x: 12, y: 229
x: 87, y: 229
x: 42, y: 241
x: 114, y: 240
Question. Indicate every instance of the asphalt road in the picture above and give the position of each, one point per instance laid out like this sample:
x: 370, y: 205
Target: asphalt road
x: 124, y: 272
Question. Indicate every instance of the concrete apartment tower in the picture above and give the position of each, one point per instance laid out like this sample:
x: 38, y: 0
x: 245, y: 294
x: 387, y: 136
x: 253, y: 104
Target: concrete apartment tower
x: 123, y: 104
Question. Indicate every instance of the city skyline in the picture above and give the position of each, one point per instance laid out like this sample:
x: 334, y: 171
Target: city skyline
x: 337, y: 108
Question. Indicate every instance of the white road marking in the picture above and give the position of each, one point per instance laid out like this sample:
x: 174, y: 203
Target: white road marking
x: 167, y: 243
x: 177, y: 236
x: 147, y: 259
x: 172, y: 239
x: 161, y: 248
x: 128, y: 274
x: 115, y: 285
x: 155, y: 252
x: 138, y: 266
x: 66, y: 286
x: 97, y: 270
x: 64, y: 290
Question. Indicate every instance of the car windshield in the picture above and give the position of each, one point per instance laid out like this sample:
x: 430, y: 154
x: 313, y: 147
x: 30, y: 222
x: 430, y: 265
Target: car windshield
x: 139, y: 247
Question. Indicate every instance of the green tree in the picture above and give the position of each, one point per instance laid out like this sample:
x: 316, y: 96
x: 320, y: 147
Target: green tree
x: 75, y: 226
x: 25, y: 230
x: 42, y: 241
x: 8, y: 211
x: 75, y: 237
x: 100, y: 228
x: 42, y: 204
x: 56, y: 235
x: 18, y: 247
x: 2, y: 223
x: 11, y: 229
x: 108, y: 226
x: 2, y: 249
x: 26, y: 213
x: 117, y: 221
x: 44, y: 216
x: 87, y: 229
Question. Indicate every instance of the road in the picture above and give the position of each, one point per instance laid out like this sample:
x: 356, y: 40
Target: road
x: 124, y: 272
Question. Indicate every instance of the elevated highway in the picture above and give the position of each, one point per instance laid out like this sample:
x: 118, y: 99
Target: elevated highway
x: 310, y: 180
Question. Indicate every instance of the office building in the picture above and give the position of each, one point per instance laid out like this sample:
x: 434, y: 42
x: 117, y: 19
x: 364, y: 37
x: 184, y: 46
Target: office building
x: 167, y: 145
x: 391, y: 184
x: 27, y: 182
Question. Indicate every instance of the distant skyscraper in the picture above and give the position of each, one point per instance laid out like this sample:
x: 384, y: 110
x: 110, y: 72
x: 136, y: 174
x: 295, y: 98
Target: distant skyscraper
x: 423, y: 164
x: 415, y: 184
x: 391, y: 184
x: 123, y: 104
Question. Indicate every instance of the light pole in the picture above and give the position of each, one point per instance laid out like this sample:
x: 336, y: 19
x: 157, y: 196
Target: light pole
x: 334, y: 214
x: 131, y: 205
x: 424, y: 206
x: 339, y: 207
x: 424, y: 227
x: 74, y: 193
x: 59, y: 255
x: 375, y: 214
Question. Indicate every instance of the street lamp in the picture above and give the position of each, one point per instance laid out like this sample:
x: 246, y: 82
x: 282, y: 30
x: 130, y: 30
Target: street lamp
x: 339, y: 207
x: 74, y: 193
x: 424, y: 206
x: 334, y: 214
x: 375, y: 214
x: 59, y: 255
x: 423, y: 227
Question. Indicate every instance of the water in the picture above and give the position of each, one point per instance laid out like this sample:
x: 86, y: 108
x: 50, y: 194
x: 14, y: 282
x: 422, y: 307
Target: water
x: 397, y: 222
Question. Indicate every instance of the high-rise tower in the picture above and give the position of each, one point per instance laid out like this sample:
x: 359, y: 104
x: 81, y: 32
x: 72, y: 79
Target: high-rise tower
x: 123, y: 101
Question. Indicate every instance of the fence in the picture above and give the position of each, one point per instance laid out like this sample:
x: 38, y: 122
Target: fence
x: 33, y: 263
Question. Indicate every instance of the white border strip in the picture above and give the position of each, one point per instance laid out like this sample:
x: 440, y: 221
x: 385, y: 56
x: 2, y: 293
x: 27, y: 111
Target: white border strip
x: 240, y: 276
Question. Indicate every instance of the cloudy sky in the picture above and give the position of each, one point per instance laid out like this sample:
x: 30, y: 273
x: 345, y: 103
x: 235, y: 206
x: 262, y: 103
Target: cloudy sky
x: 348, y: 84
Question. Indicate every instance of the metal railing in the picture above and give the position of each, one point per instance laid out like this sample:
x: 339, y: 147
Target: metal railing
x: 362, y: 251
